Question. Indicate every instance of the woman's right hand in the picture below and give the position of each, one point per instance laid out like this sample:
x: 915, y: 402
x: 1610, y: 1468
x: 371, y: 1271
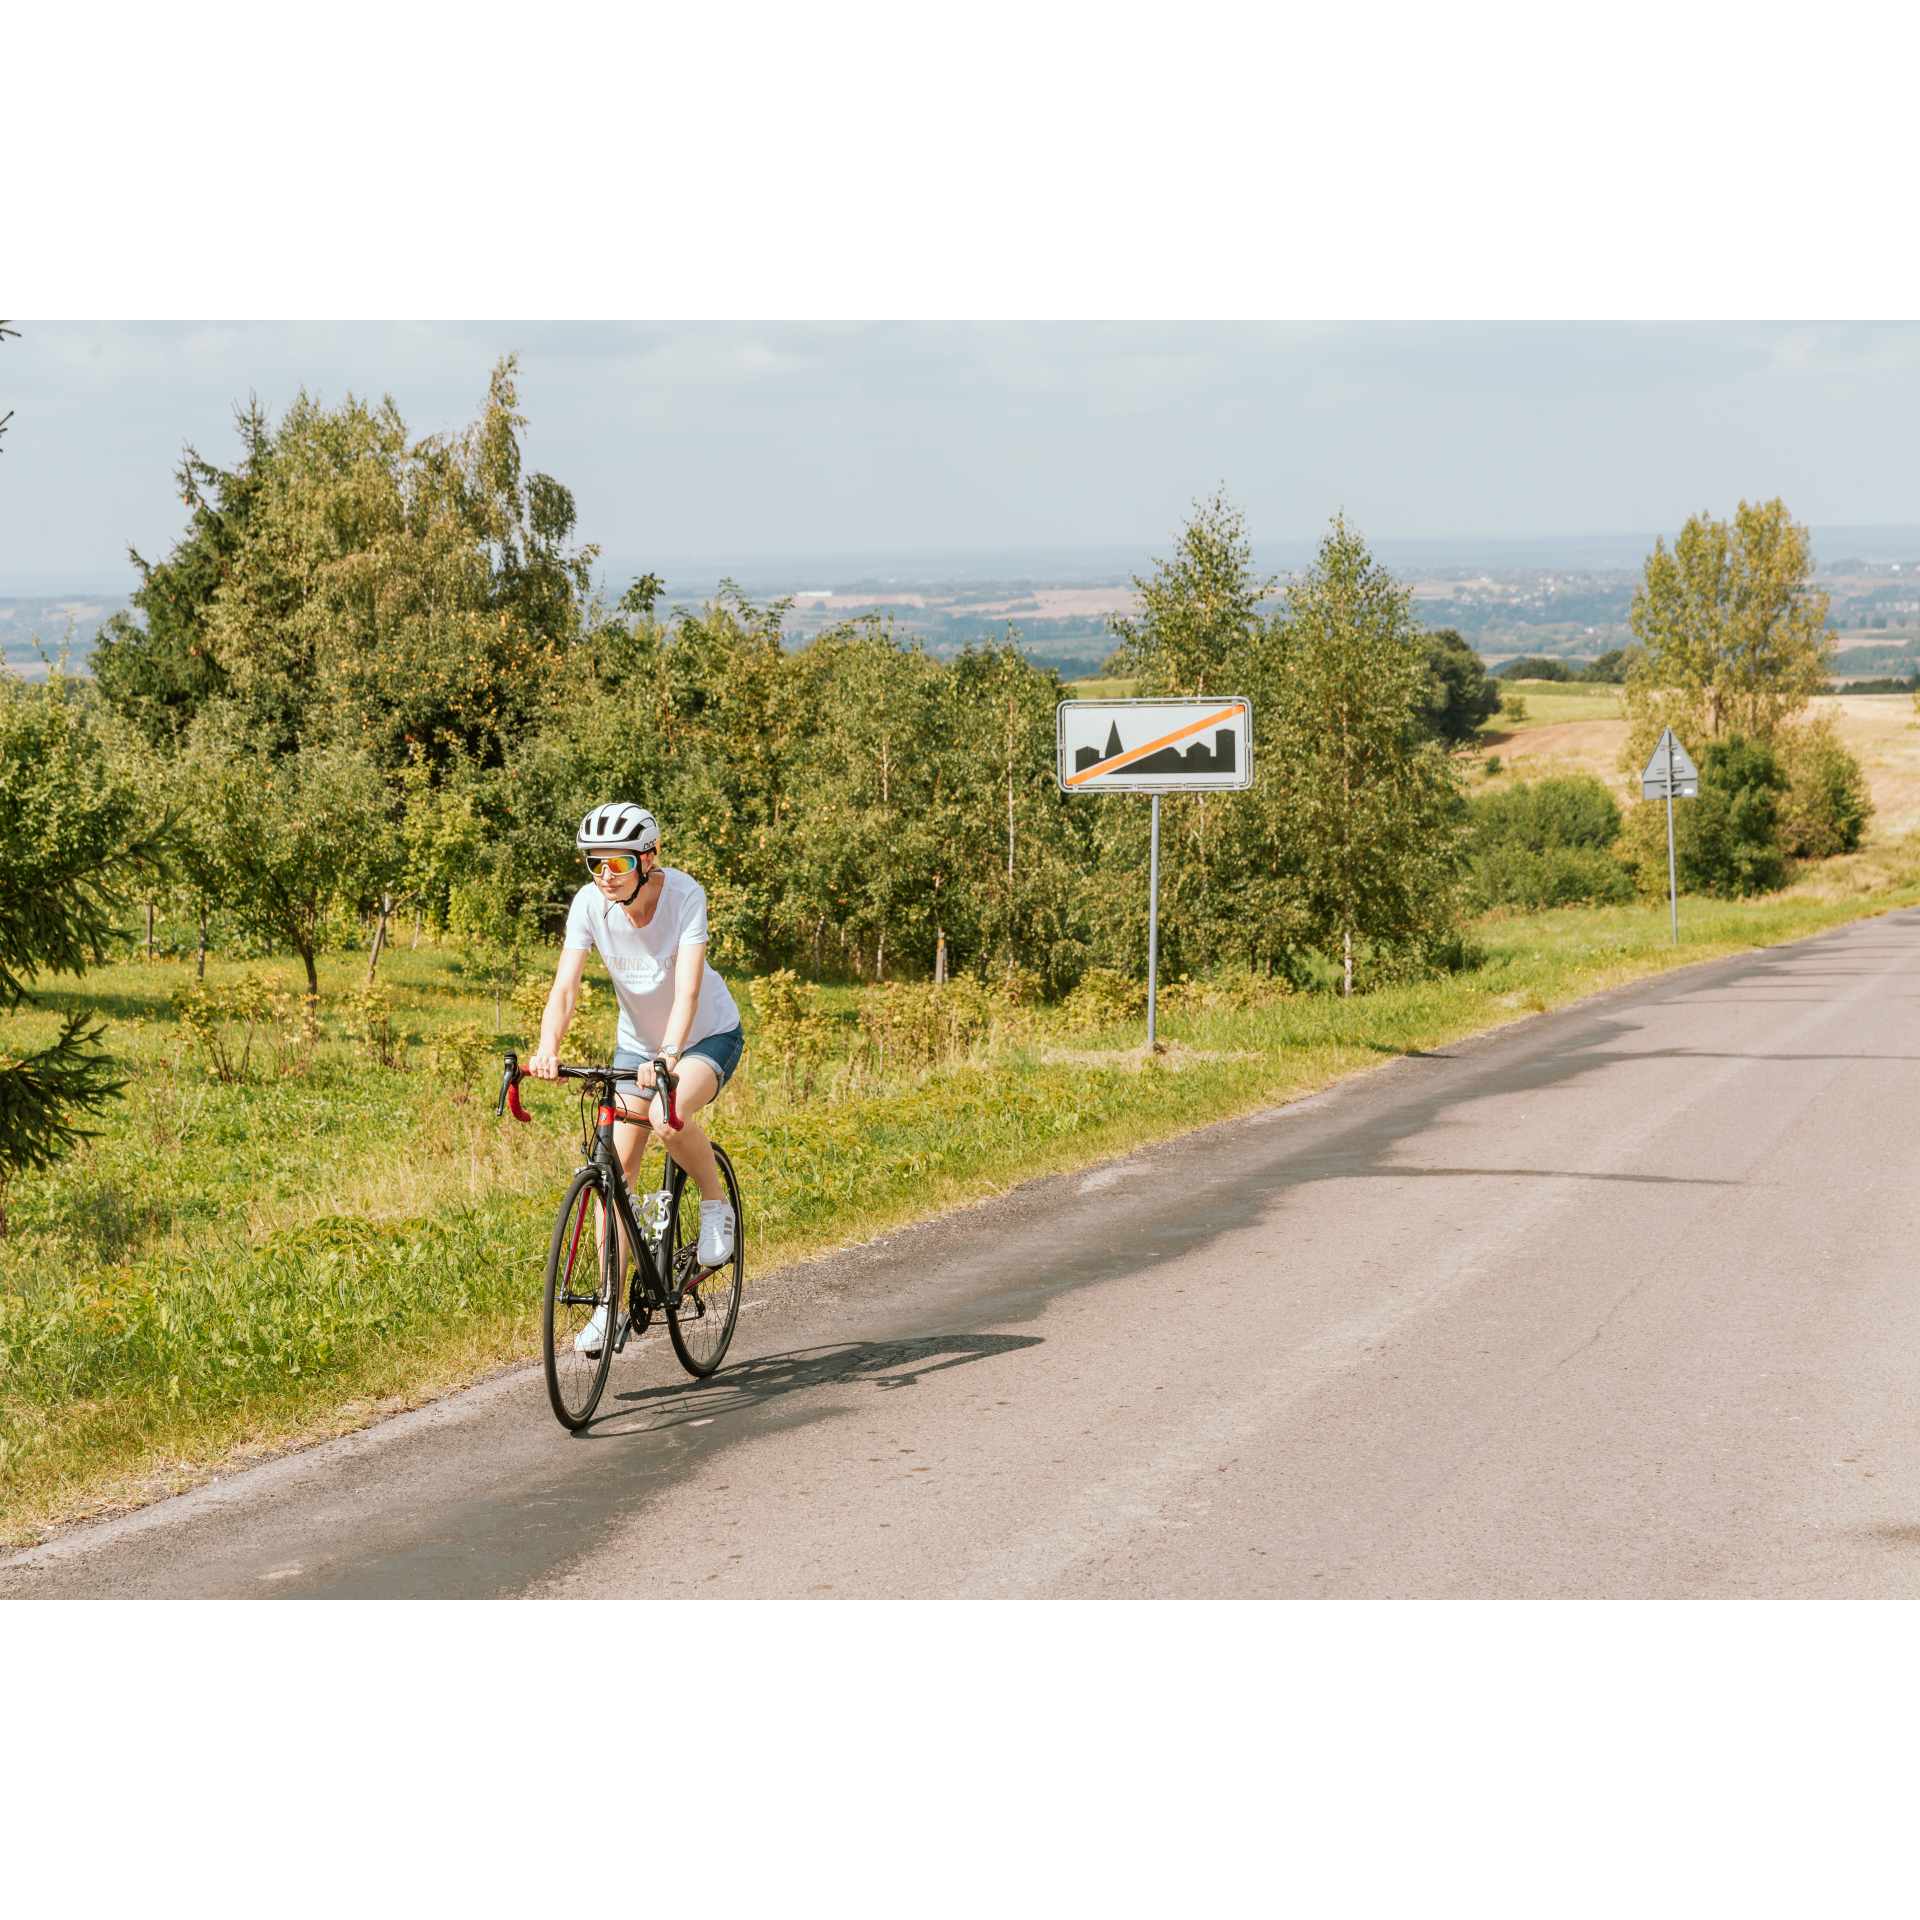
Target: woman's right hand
x: 544, y: 1066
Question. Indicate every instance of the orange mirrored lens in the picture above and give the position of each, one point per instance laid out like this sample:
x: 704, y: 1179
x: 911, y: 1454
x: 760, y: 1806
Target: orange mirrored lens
x: 613, y: 863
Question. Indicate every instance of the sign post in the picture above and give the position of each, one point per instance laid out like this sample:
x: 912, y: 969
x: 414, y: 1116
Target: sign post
x: 1154, y: 747
x: 1670, y: 775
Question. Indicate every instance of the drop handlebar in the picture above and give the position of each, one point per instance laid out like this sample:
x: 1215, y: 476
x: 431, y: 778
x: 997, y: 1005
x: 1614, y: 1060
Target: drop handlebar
x: 512, y: 1073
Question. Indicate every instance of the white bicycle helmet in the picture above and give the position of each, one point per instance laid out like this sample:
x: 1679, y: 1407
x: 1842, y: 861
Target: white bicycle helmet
x: 619, y: 824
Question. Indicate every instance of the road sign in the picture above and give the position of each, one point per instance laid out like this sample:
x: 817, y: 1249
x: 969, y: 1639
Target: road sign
x: 1670, y: 774
x: 1154, y: 746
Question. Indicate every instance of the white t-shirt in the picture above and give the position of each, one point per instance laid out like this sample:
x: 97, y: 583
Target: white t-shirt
x: 642, y: 961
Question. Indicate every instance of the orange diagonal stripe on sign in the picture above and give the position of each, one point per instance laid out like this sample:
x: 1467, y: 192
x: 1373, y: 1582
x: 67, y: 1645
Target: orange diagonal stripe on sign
x: 1152, y: 746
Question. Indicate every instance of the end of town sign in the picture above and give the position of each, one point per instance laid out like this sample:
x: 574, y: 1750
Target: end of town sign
x: 1154, y: 746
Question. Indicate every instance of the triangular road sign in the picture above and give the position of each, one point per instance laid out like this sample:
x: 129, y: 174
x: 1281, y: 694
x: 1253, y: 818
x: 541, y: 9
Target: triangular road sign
x: 1670, y: 762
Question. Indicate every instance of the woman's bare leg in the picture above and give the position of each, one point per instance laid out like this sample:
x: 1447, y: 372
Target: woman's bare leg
x: 699, y: 1087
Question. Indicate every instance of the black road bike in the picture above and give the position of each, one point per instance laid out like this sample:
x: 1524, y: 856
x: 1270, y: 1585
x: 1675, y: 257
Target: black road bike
x: 624, y: 1263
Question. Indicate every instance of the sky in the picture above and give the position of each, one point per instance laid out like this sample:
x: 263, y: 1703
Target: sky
x: 683, y: 439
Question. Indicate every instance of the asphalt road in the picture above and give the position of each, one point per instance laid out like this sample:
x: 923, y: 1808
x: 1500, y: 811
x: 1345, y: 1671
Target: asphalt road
x: 1618, y: 1301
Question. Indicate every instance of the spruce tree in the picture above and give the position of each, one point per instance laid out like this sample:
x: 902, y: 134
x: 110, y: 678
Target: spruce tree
x: 74, y: 835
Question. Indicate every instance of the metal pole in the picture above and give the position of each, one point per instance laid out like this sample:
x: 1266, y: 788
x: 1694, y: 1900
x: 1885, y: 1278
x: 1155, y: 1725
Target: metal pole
x: 1153, y: 927
x: 1673, y: 885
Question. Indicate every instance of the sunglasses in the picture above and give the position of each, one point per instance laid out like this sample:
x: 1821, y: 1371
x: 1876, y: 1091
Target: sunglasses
x: 614, y: 864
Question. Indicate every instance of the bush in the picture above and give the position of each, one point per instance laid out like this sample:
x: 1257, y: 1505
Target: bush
x: 911, y: 1025
x: 227, y: 1022
x: 1555, y: 877
x: 791, y: 1028
x: 370, y: 1016
x: 1536, y: 667
x: 1227, y: 992
x: 529, y: 1002
x: 1728, y: 842
x: 459, y: 1053
x: 1826, y: 808
x: 1548, y: 844
x: 1105, y: 997
x: 1575, y: 811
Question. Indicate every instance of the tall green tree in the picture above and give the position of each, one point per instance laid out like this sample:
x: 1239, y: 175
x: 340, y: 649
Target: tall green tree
x: 1733, y: 629
x: 346, y: 582
x: 1223, y: 886
x: 158, y: 671
x: 1461, y: 698
x: 77, y: 835
x: 1369, y: 805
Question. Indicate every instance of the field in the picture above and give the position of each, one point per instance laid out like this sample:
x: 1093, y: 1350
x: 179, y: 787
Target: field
x: 234, y: 1269
x: 1579, y: 729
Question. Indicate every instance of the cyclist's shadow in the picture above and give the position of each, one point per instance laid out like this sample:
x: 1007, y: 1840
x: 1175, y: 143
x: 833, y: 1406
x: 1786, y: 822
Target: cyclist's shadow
x: 883, y: 1364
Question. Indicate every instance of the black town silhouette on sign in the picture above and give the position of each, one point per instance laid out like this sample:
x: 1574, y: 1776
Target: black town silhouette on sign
x: 1198, y: 758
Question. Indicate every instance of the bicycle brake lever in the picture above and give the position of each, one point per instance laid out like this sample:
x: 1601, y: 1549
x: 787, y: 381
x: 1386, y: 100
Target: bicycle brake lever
x: 509, y: 1101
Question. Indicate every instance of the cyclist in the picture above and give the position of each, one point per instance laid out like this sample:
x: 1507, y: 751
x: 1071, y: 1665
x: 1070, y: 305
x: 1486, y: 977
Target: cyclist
x: 648, y: 923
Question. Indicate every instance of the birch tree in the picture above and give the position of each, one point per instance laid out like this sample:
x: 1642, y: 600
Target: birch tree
x: 1370, y: 810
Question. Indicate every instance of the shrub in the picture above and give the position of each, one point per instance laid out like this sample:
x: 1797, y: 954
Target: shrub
x: 1576, y: 811
x: 791, y: 1028
x: 530, y: 1005
x: 1826, y: 808
x: 1548, y: 844
x: 1536, y: 667
x: 370, y: 1015
x: 1728, y: 841
x: 1555, y: 877
x: 917, y: 1025
x: 458, y: 1054
x: 1460, y: 697
x: 226, y: 1022
x: 1105, y: 997
x: 1226, y: 993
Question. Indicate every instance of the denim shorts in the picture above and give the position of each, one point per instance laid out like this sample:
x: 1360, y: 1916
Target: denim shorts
x: 721, y: 1051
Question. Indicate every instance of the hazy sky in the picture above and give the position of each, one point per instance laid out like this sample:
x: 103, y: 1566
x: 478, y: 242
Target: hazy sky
x: 682, y: 439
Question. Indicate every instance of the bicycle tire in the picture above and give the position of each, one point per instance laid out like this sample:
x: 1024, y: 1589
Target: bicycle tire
x: 576, y: 1380
x: 701, y: 1320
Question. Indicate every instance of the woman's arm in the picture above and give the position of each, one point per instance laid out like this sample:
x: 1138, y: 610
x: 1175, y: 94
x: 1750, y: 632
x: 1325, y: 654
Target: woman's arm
x: 554, y: 1023
x: 690, y: 965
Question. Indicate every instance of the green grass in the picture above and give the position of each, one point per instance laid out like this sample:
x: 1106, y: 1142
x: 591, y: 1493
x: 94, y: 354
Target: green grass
x: 230, y: 1270
x: 1552, y: 702
x: 1101, y: 689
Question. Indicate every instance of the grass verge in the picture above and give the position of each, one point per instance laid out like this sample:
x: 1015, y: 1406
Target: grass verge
x: 232, y: 1270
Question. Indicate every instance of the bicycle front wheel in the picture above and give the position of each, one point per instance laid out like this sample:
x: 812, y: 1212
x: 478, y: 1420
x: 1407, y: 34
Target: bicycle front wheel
x: 581, y: 1303
x: 700, y: 1323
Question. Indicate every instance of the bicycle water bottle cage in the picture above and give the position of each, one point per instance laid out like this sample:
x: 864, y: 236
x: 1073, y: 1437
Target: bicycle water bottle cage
x: 653, y: 1216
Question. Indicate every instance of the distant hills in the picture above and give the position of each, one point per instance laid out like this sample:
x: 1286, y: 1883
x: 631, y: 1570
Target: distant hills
x: 1566, y: 597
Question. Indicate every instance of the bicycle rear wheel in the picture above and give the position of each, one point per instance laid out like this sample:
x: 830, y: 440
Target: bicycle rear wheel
x: 579, y: 1285
x: 701, y: 1322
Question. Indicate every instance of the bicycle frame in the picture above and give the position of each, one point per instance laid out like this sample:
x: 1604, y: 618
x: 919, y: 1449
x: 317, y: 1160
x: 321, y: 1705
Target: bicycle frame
x: 652, y: 1254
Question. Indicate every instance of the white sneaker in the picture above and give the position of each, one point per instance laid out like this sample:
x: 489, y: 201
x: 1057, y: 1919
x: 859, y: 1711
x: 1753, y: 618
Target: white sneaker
x: 594, y: 1333
x: 716, y: 1233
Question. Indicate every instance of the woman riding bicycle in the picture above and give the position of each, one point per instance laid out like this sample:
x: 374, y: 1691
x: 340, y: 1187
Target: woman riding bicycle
x: 648, y: 923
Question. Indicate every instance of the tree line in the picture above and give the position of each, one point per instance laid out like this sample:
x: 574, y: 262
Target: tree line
x: 373, y: 678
